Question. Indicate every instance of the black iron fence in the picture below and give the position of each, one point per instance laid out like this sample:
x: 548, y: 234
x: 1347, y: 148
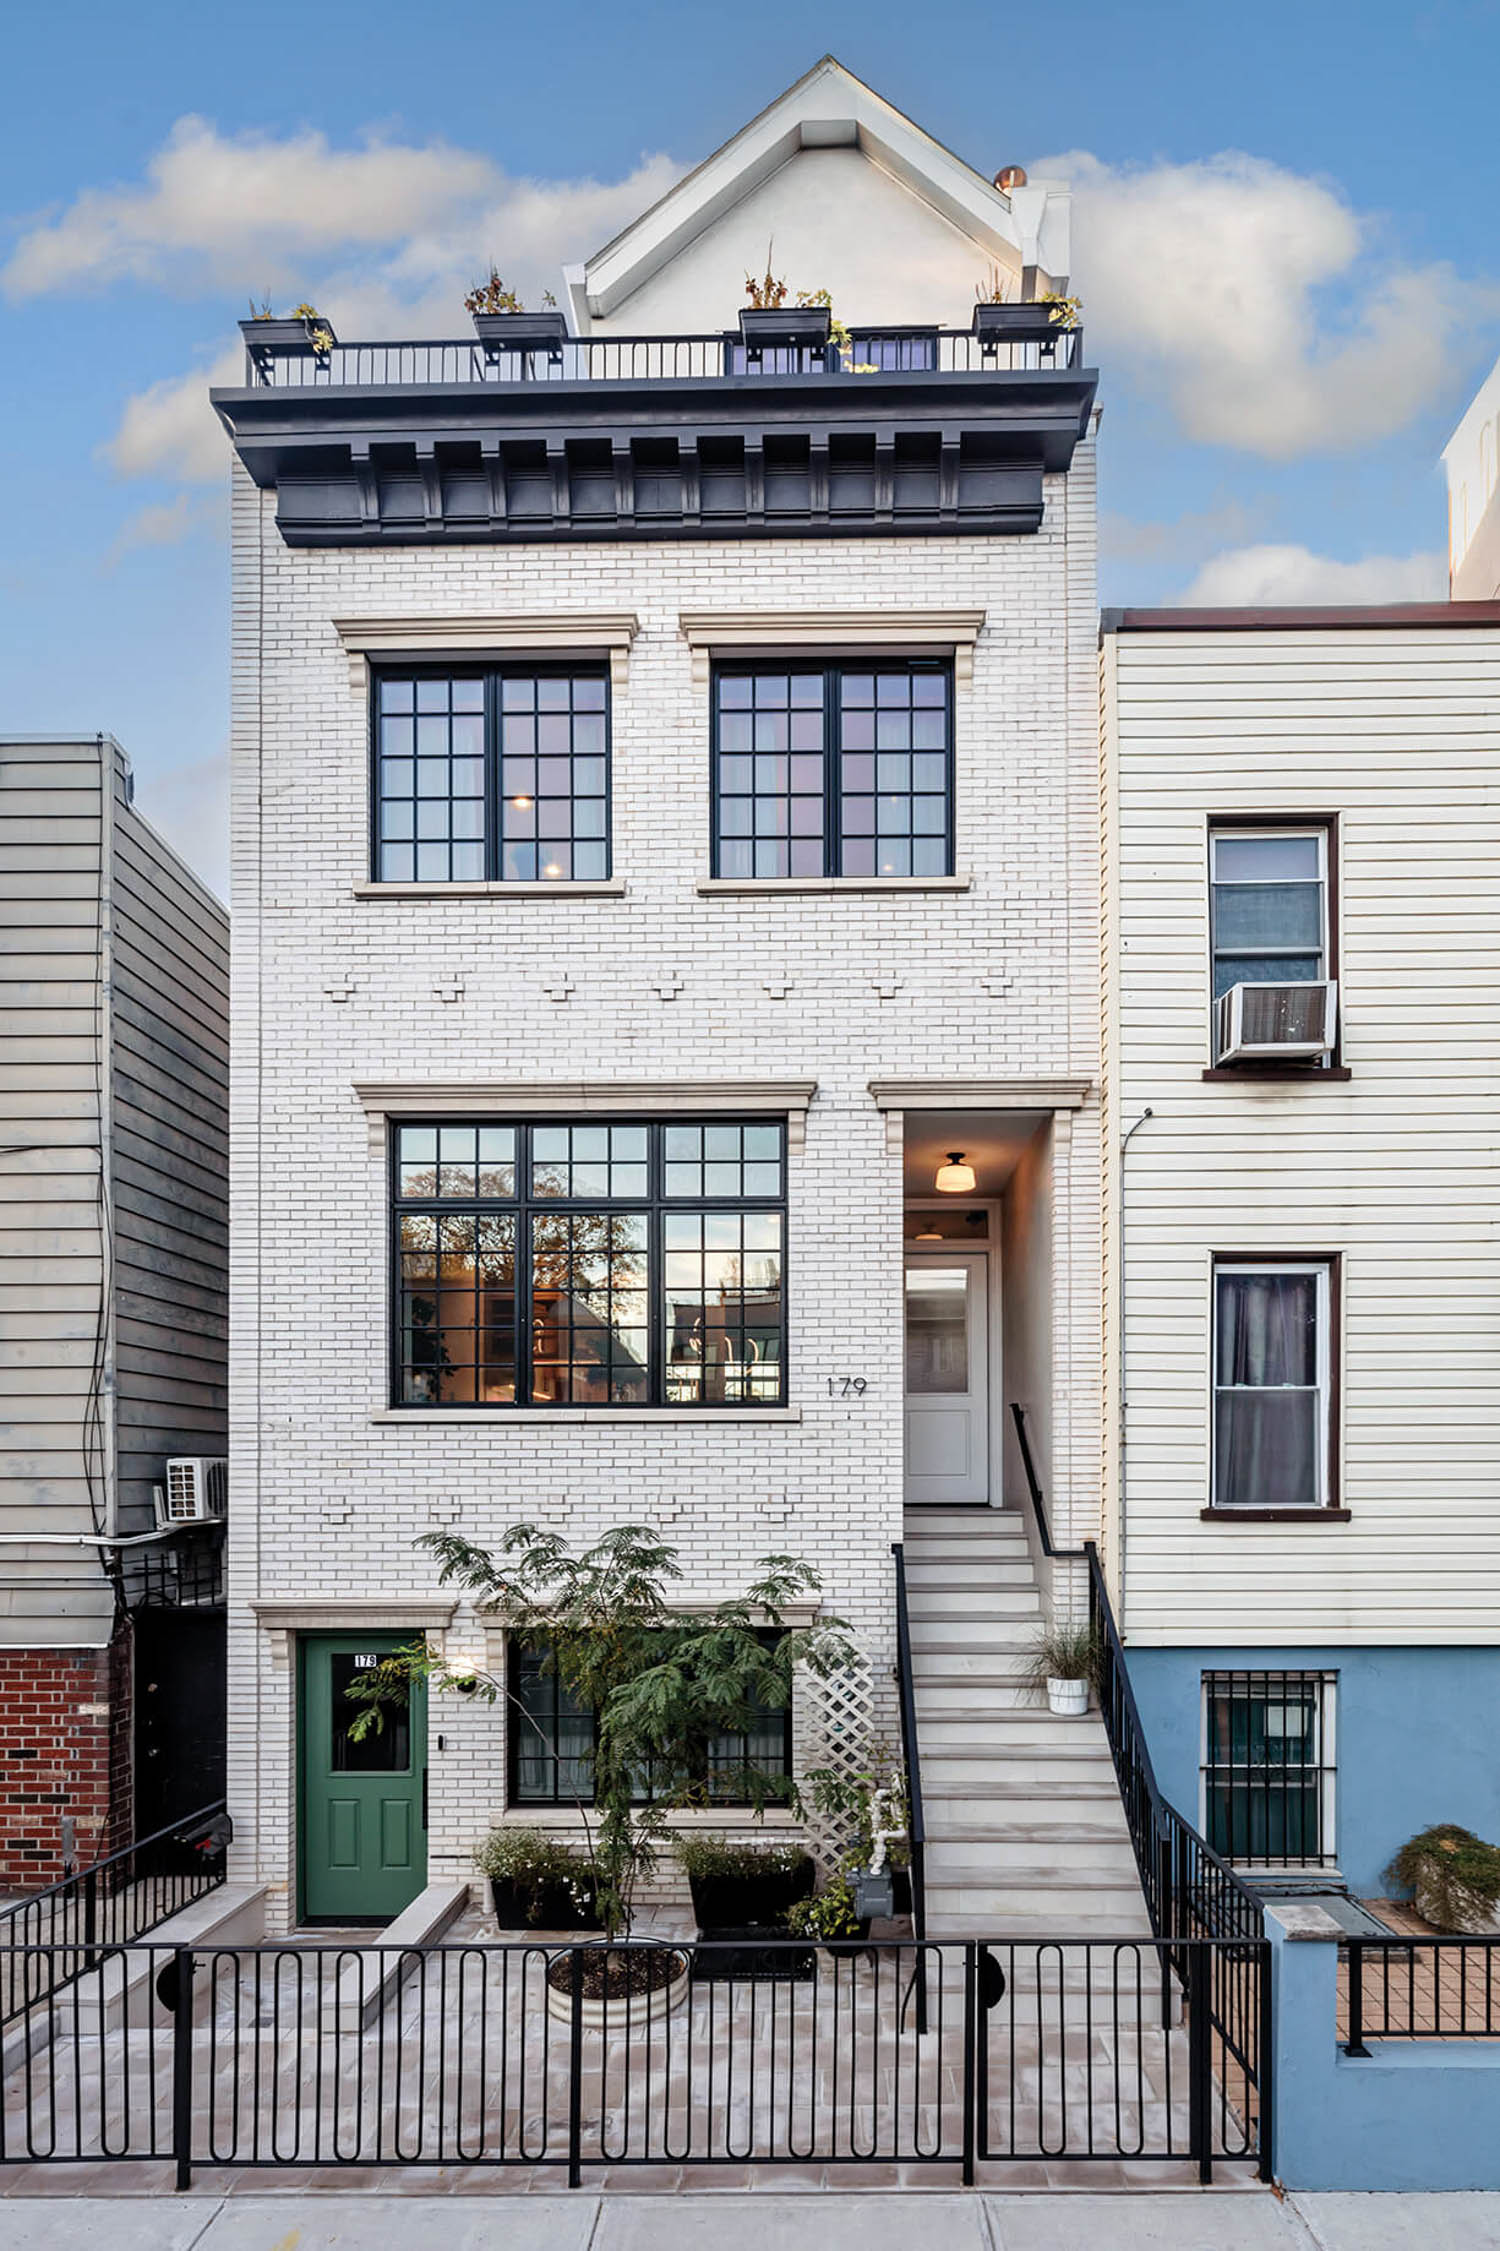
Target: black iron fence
x: 55, y: 1934
x: 911, y: 1757
x: 1421, y: 1989
x: 805, y: 2054
x: 654, y: 359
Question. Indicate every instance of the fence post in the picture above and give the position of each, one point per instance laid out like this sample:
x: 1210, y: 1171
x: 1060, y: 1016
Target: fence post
x: 1200, y: 2059
x: 1265, y: 2074
x: 182, y: 2065
x: 1355, y: 2044
x: 575, y: 2069
x: 90, y: 1917
x: 971, y: 2051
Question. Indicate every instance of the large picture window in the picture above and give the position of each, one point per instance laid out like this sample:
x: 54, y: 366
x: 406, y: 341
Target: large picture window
x: 579, y: 1264
x: 498, y: 776
x: 1273, y: 1355
x: 551, y: 1739
x: 843, y: 770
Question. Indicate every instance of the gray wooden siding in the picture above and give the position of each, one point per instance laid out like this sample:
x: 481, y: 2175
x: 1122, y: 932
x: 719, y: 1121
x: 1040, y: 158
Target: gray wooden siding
x: 170, y: 1074
x: 50, y: 1234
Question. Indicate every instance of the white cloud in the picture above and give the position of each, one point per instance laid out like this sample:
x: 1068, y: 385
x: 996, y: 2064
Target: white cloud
x: 217, y: 208
x: 1258, y: 303
x: 1271, y: 577
x: 161, y: 524
x: 171, y: 430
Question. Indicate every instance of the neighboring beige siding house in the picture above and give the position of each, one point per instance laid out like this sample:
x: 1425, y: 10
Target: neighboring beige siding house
x: 113, y: 1269
x: 1306, y: 1458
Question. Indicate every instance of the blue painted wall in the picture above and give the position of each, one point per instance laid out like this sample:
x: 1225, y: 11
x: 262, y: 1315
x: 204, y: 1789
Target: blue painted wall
x: 1413, y: 2114
x: 1418, y: 1739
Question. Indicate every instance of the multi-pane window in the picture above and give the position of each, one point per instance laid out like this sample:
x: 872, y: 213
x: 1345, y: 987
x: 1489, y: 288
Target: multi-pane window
x: 1272, y: 1358
x: 841, y: 771
x: 497, y: 775
x: 1268, y: 1766
x: 1268, y: 906
x: 551, y: 1741
x: 589, y: 1264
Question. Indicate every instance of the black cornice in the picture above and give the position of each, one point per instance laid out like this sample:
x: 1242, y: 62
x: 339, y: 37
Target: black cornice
x: 728, y: 457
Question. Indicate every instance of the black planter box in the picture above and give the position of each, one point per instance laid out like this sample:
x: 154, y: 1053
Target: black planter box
x: 288, y: 339
x: 805, y: 325
x: 752, y: 1952
x: 1016, y: 324
x: 723, y: 1903
x: 521, y: 332
x: 548, y: 1907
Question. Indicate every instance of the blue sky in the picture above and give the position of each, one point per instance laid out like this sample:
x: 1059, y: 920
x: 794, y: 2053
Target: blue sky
x: 1285, y: 240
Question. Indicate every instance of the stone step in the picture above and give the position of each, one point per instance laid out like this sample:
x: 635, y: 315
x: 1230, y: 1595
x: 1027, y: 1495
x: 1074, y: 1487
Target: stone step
x: 975, y: 1575
x: 951, y: 1547
x: 1071, y: 1808
x: 1041, y: 1905
x: 988, y: 1769
x: 1001, y: 1926
x: 1001, y: 1637
x: 1030, y: 1727
x: 981, y: 1606
x: 990, y: 1853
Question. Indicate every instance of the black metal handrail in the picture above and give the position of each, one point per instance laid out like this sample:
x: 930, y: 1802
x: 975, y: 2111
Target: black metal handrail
x: 1190, y: 1891
x: 1422, y: 1989
x: 1038, y: 1499
x: 717, y: 356
x: 107, y: 1905
x: 911, y: 1759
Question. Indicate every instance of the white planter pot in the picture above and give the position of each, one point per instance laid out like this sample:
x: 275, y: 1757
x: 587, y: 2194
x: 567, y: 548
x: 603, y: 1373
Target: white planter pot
x: 637, y: 2013
x: 1068, y: 1698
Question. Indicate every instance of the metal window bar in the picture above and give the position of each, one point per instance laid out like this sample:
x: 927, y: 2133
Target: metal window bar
x: 46, y: 1940
x: 1269, y: 1767
x: 718, y: 358
x: 279, y: 2056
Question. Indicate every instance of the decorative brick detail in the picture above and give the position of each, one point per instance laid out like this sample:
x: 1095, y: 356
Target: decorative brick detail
x: 65, y: 1741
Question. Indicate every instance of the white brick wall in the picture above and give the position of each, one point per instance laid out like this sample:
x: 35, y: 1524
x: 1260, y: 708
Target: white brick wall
x: 325, y: 1500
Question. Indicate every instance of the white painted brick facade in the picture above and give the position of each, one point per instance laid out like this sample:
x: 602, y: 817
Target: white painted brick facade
x: 326, y: 1500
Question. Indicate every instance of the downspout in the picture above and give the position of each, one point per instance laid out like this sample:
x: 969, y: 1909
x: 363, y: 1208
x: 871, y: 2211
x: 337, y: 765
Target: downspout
x: 1124, y: 1480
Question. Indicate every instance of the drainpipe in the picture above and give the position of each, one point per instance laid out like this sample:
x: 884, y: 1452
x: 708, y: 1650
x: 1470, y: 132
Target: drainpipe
x: 1124, y: 1482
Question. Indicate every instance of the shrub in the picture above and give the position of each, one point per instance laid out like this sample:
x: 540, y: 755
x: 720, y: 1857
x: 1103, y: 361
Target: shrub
x: 1452, y: 1875
x: 829, y: 1915
x: 537, y: 1867
x: 706, y: 1858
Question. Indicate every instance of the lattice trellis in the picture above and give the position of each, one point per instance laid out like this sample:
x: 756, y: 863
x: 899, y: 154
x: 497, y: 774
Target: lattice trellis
x: 835, y: 1712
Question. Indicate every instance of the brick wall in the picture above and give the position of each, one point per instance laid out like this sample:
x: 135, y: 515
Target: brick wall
x: 64, y: 1751
x: 665, y: 982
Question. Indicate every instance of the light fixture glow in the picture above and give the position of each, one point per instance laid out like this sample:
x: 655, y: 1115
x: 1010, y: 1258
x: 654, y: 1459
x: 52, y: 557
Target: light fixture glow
x: 955, y: 1178
x: 929, y: 1235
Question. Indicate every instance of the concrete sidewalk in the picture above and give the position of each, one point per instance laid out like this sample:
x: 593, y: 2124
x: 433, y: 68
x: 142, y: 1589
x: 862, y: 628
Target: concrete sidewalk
x: 875, y: 2220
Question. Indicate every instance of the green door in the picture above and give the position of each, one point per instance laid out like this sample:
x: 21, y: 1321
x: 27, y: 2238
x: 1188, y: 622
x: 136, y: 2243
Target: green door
x: 363, y: 1832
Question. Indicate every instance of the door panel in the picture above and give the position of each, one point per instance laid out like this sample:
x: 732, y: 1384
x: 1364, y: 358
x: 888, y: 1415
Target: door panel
x: 947, y: 1376
x: 362, y: 1838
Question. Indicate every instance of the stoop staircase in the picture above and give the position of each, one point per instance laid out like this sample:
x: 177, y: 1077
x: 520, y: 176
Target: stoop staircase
x: 1025, y: 1830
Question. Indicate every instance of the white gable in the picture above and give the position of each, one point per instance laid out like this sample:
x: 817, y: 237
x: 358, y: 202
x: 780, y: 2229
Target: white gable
x: 853, y: 198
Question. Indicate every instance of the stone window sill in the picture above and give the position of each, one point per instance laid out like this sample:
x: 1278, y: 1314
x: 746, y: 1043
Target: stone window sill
x: 1280, y: 1074
x: 795, y: 886
x: 1274, y: 1515
x: 608, y: 887
x: 501, y: 1418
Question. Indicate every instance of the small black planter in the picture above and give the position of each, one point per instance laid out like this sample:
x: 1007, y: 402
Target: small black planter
x: 286, y: 339
x: 751, y: 1952
x: 521, y: 332
x: 723, y: 1903
x: 804, y: 325
x: 1016, y: 324
x: 540, y: 1907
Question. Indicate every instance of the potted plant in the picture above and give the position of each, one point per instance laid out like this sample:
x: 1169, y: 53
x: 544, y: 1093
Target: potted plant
x: 537, y: 1882
x: 769, y: 320
x: 742, y: 1887
x: 1453, y: 1878
x: 304, y: 333
x: 502, y: 323
x: 831, y: 1917
x: 999, y: 319
x: 659, y: 1684
x: 1065, y: 1662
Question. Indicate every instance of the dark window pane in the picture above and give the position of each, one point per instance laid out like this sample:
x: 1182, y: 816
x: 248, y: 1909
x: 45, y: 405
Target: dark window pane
x: 386, y: 1749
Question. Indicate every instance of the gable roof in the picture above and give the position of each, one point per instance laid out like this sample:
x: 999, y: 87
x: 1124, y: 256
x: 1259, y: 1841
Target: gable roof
x: 826, y: 108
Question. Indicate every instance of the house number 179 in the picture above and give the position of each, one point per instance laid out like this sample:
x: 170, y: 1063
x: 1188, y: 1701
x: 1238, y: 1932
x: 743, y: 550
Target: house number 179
x: 847, y: 1387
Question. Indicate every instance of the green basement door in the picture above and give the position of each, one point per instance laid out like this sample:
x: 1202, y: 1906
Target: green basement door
x: 363, y: 1831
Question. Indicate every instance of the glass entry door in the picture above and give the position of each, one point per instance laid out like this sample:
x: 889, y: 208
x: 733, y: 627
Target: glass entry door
x: 947, y: 1376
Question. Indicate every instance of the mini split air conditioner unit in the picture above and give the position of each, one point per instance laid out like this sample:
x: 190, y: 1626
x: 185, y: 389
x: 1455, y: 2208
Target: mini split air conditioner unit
x: 1275, y: 1023
x: 195, y: 1491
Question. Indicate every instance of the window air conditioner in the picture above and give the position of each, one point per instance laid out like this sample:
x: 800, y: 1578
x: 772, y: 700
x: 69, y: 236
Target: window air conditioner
x: 194, y: 1492
x: 1281, y: 1023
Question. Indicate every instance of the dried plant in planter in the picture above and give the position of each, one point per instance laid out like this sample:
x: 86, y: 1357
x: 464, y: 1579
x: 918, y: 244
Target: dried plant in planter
x: 1453, y: 1878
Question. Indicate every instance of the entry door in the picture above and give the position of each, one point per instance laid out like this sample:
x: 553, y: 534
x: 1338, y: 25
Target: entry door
x: 947, y: 1376
x: 363, y: 1833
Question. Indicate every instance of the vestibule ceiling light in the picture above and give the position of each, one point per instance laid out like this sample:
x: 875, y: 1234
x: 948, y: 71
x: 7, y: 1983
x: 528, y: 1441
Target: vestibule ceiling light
x: 929, y: 1235
x: 955, y: 1178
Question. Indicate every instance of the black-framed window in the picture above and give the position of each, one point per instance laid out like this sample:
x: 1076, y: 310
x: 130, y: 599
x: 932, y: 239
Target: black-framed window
x: 1268, y: 1766
x: 494, y: 774
x: 833, y: 770
x: 588, y: 1263
x: 551, y: 1743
